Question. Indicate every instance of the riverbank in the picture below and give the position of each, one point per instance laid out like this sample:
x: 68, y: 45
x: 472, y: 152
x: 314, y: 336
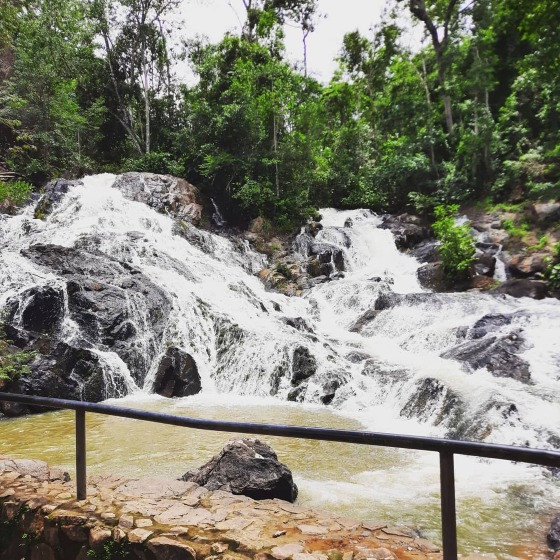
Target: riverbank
x: 175, y: 520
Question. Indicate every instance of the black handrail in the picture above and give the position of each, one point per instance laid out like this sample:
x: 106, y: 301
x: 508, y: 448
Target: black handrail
x: 446, y: 448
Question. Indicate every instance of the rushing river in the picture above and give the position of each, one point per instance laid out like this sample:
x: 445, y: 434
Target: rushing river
x: 504, y: 509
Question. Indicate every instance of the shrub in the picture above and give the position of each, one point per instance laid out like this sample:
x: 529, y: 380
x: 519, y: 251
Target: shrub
x: 155, y: 162
x: 14, y: 193
x: 457, y: 248
x: 12, y: 364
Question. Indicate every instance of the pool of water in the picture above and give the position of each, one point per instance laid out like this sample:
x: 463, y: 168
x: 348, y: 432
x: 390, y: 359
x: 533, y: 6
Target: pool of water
x: 502, y: 508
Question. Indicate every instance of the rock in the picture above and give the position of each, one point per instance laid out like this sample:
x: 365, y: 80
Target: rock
x: 164, y: 548
x: 313, y: 228
x: 100, y: 290
x: 54, y: 193
x: 426, y: 251
x: 43, y: 309
x: 498, y: 354
x: 553, y: 535
x: 164, y: 193
x: 42, y: 551
x: 365, y: 319
x: 357, y: 357
x: 493, y: 322
x: 248, y: 467
x: 286, y: 551
x: 298, y: 323
x: 432, y: 276
x: 524, y: 265
x: 408, y: 230
x: 545, y: 212
x: 98, y: 537
x: 139, y: 535
x: 177, y: 375
x: 485, y: 265
x: 304, y: 365
x: 516, y: 287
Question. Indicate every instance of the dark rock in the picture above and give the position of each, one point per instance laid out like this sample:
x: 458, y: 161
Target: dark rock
x: 432, y: 276
x: 516, y: 287
x: 348, y: 223
x: 498, y: 354
x: 248, y: 467
x: 115, y: 305
x: 364, y: 320
x: 38, y: 309
x: 330, y: 383
x: 297, y: 394
x: 177, y: 375
x: 485, y: 265
x: 54, y: 193
x: 545, y: 212
x: 426, y: 251
x: 325, y: 254
x: 492, y: 322
x: 491, y: 249
x: 553, y: 535
x: 164, y: 193
x: 298, y: 323
x: 304, y: 365
x: 408, y: 230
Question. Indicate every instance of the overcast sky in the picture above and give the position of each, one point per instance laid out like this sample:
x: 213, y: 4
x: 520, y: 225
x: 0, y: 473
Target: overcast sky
x: 214, y: 17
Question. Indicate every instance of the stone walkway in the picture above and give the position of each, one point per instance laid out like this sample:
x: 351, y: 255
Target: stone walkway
x: 175, y: 520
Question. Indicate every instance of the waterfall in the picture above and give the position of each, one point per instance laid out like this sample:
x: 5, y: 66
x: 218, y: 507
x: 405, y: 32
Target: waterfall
x: 372, y: 344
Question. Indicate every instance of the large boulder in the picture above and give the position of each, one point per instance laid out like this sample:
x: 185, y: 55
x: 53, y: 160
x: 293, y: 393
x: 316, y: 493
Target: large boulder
x: 518, y: 287
x: 44, y: 309
x: 177, y: 375
x: 54, y: 192
x: 164, y: 193
x: 426, y: 251
x: 115, y: 306
x: 249, y: 467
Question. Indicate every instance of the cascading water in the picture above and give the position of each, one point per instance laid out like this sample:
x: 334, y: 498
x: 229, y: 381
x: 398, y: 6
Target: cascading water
x: 398, y: 366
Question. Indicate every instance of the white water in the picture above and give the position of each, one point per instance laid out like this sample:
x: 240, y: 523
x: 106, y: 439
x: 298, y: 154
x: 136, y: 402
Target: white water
x: 214, y: 288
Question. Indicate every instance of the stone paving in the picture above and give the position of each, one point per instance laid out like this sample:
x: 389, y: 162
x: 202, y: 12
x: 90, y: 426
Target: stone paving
x: 175, y: 520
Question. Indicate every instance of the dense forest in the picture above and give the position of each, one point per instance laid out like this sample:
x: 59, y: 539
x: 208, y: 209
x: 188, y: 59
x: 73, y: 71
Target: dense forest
x: 92, y: 85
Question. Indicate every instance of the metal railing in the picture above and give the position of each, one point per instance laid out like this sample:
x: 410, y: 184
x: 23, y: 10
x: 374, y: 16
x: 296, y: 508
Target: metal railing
x: 446, y: 448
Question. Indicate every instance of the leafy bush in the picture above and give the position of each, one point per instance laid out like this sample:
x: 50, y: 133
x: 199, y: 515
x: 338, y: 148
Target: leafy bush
x: 457, y: 248
x: 515, y: 230
x: 12, y: 364
x: 552, y: 272
x: 14, y: 193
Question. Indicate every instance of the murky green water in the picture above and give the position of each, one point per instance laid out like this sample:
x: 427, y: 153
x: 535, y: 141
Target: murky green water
x: 503, y: 509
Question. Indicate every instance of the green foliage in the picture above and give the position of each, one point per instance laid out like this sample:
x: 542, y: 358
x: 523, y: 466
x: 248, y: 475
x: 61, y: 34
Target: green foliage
x: 111, y: 551
x: 14, y: 193
x: 12, y: 364
x: 541, y: 244
x: 457, y: 249
x: 514, y: 229
x: 155, y: 162
x: 284, y: 270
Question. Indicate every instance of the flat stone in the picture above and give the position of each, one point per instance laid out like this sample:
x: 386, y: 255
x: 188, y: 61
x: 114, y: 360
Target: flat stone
x: 154, y: 488
x: 286, y: 551
x: 9, y: 492
x: 376, y: 554
x: 164, y: 548
x: 119, y: 534
x: 143, y: 523
x: 98, y: 536
x: 126, y: 521
x: 64, y: 496
x: 348, y: 555
x: 235, y: 524
x: 139, y: 535
x: 425, y: 545
x: 312, y: 529
x: 373, y: 526
x: 399, y: 531
x: 304, y: 556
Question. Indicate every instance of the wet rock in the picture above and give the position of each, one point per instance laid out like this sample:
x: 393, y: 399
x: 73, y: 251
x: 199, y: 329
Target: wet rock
x: 553, y: 535
x: 41, y: 309
x: 313, y: 228
x: 491, y: 249
x: 298, y: 323
x: 365, y: 319
x: 54, y: 193
x: 408, y: 230
x: 164, y: 548
x: 248, y: 467
x: 524, y: 265
x: 177, y: 375
x: 114, y: 304
x: 330, y: 383
x: 516, y: 287
x: 164, y: 193
x: 493, y: 322
x: 498, y: 354
x: 485, y: 265
x: 426, y: 251
x: 304, y: 365
x: 432, y: 276
x: 357, y: 357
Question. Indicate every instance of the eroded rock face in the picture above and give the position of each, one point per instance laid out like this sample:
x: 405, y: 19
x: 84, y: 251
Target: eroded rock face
x: 248, y: 467
x: 304, y: 365
x: 177, y: 375
x: 164, y: 193
x: 54, y: 193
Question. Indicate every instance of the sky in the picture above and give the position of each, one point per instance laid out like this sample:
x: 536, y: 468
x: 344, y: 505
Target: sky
x: 213, y: 18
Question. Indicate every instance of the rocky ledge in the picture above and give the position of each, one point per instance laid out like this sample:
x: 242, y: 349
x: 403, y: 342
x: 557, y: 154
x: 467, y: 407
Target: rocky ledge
x: 155, y: 519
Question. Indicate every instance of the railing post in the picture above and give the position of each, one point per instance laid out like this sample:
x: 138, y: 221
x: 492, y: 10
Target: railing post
x: 448, y: 514
x: 81, y: 454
